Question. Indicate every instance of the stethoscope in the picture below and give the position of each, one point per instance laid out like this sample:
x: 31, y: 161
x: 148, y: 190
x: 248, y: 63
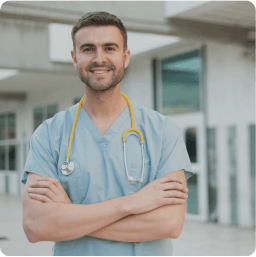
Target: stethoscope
x: 68, y: 167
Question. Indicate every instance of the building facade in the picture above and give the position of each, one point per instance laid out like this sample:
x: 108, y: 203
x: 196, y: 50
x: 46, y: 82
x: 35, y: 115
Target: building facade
x: 206, y: 86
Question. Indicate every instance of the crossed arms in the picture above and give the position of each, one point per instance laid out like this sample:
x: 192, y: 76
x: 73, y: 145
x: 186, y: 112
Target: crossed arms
x: 154, y: 212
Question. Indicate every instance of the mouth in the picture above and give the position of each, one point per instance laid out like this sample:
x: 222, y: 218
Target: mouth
x: 99, y: 71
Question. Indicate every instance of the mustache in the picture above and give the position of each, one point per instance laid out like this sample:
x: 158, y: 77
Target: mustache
x: 95, y: 65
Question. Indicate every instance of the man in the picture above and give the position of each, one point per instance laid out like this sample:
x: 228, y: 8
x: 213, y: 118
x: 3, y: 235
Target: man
x: 96, y: 210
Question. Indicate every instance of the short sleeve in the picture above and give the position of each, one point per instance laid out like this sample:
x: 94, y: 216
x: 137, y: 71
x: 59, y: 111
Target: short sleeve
x: 174, y: 155
x: 40, y: 160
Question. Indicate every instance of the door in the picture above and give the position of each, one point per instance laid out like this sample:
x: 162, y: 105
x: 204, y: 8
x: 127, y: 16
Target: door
x: 178, y: 96
x: 192, y: 129
x: 9, y: 175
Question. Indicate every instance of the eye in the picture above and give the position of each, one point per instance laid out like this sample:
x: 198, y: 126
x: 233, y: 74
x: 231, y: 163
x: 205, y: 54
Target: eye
x: 110, y: 48
x: 87, y: 49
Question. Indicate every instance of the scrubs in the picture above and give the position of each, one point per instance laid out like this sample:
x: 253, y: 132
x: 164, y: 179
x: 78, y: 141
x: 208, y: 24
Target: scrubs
x: 99, y: 173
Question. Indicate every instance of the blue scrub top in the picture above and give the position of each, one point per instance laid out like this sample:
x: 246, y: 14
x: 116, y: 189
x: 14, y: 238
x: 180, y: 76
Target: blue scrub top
x: 99, y: 173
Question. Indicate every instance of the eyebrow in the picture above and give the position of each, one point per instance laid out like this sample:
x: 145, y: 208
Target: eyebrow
x: 92, y: 45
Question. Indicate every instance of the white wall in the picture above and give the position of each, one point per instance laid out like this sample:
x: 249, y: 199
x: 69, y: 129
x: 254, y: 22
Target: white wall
x: 230, y: 90
x: 172, y: 8
x: 138, y: 81
x: 231, y: 101
x: 231, y: 97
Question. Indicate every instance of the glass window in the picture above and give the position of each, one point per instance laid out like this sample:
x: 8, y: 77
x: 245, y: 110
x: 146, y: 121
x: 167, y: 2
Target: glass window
x: 38, y: 116
x: 77, y: 100
x: 51, y: 110
x: 2, y: 127
x: 191, y: 142
x: 7, y: 132
x: 12, y: 157
x: 192, y: 201
x: 11, y: 125
x: 42, y: 113
x: 180, y: 83
x: 2, y: 157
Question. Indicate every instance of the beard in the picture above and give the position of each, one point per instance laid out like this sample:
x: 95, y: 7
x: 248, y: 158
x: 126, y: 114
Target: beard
x: 101, y: 86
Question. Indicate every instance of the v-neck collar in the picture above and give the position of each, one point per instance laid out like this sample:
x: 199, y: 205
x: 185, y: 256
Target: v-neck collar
x: 92, y: 128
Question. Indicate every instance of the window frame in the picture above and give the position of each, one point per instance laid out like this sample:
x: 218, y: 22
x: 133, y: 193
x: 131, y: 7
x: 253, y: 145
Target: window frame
x: 7, y: 142
x: 179, y: 56
x: 44, y: 112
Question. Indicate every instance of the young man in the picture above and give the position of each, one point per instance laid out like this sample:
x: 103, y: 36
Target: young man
x: 102, y: 207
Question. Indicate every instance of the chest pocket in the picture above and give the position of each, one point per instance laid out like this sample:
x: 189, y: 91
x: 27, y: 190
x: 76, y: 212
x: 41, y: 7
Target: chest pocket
x: 74, y: 184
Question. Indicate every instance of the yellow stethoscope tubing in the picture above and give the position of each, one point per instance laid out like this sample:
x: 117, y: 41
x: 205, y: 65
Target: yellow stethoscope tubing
x: 124, y: 138
x: 132, y: 121
x: 73, y: 128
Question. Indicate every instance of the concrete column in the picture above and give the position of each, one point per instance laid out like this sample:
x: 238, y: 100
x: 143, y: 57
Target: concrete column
x: 223, y: 199
x: 243, y: 176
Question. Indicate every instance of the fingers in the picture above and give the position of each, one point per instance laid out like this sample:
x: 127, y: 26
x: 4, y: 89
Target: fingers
x: 45, y: 183
x: 175, y: 194
x: 44, y: 192
x: 174, y: 201
x: 41, y: 198
x: 50, y: 188
x: 170, y: 178
x: 55, y: 181
x: 174, y: 186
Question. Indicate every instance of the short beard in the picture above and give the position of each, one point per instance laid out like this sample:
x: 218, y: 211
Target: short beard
x: 86, y: 80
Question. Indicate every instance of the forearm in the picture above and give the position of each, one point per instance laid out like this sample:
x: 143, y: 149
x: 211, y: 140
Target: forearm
x: 62, y: 221
x: 153, y: 225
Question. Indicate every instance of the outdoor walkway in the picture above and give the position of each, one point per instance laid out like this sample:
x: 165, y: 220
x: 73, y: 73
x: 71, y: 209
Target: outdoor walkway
x: 197, y: 239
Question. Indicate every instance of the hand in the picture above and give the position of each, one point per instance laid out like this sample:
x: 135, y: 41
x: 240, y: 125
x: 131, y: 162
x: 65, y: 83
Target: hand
x: 47, y: 190
x: 167, y: 190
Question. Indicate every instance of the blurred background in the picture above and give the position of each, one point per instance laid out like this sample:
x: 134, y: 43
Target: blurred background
x: 193, y: 61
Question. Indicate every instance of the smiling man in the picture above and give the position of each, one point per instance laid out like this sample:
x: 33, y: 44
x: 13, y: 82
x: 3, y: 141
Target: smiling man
x: 84, y: 189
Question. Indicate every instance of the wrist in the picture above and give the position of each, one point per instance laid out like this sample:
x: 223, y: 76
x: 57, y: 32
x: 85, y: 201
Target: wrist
x: 127, y: 204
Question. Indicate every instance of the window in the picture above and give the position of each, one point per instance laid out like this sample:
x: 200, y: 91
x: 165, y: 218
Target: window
x: 42, y: 113
x: 7, y: 141
x: 77, y: 100
x: 192, y: 201
x: 191, y: 143
x: 180, y: 83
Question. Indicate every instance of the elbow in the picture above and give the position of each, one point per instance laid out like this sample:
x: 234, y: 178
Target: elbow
x: 30, y: 231
x: 175, y: 230
x: 175, y: 233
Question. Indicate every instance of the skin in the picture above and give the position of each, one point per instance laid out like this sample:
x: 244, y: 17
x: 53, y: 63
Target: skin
x: 101, y: 49
x: 154, y: 212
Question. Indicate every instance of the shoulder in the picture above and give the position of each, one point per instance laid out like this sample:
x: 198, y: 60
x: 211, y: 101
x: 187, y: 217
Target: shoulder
x: 142, y: 110
x: 153, y: 119
x: 56, y: 125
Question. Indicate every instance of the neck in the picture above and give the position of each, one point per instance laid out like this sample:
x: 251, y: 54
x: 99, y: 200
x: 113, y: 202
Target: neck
x: 104, y: 104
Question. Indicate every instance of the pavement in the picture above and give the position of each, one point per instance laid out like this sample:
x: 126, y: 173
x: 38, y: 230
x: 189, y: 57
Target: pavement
x: 196, y: 239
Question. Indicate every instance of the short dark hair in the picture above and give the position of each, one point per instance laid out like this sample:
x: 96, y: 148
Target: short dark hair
x: 99, y: 19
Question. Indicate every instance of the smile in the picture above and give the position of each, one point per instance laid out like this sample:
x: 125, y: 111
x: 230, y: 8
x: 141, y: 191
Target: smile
x: 99, y: 72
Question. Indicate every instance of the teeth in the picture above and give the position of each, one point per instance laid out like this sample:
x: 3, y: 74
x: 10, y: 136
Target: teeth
x: 99, y: 71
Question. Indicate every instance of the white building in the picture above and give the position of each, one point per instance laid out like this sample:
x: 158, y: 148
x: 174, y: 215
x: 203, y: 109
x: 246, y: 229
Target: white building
x: 204, y: 80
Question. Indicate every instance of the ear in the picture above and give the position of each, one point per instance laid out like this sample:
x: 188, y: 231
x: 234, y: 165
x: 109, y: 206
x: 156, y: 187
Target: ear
x: 73, y: 55
x: 127, y: 55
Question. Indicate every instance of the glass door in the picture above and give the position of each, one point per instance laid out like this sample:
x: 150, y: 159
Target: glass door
x: 8, y: 150
x: 181, y: 101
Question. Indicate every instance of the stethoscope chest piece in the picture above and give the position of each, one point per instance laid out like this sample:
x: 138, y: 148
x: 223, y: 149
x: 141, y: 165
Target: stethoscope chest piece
x: 67, y: 168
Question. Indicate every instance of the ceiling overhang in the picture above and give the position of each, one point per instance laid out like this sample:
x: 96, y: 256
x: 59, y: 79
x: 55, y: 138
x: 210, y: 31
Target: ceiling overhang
x: 224, y: 18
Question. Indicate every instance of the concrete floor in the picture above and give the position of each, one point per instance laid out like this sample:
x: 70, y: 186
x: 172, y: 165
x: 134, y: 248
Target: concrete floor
x: 197, y: 239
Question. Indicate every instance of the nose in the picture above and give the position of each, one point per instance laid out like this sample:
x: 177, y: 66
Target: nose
x: 100, y: 57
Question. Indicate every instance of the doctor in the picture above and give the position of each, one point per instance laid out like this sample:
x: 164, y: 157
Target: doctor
x: 94, y: 209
